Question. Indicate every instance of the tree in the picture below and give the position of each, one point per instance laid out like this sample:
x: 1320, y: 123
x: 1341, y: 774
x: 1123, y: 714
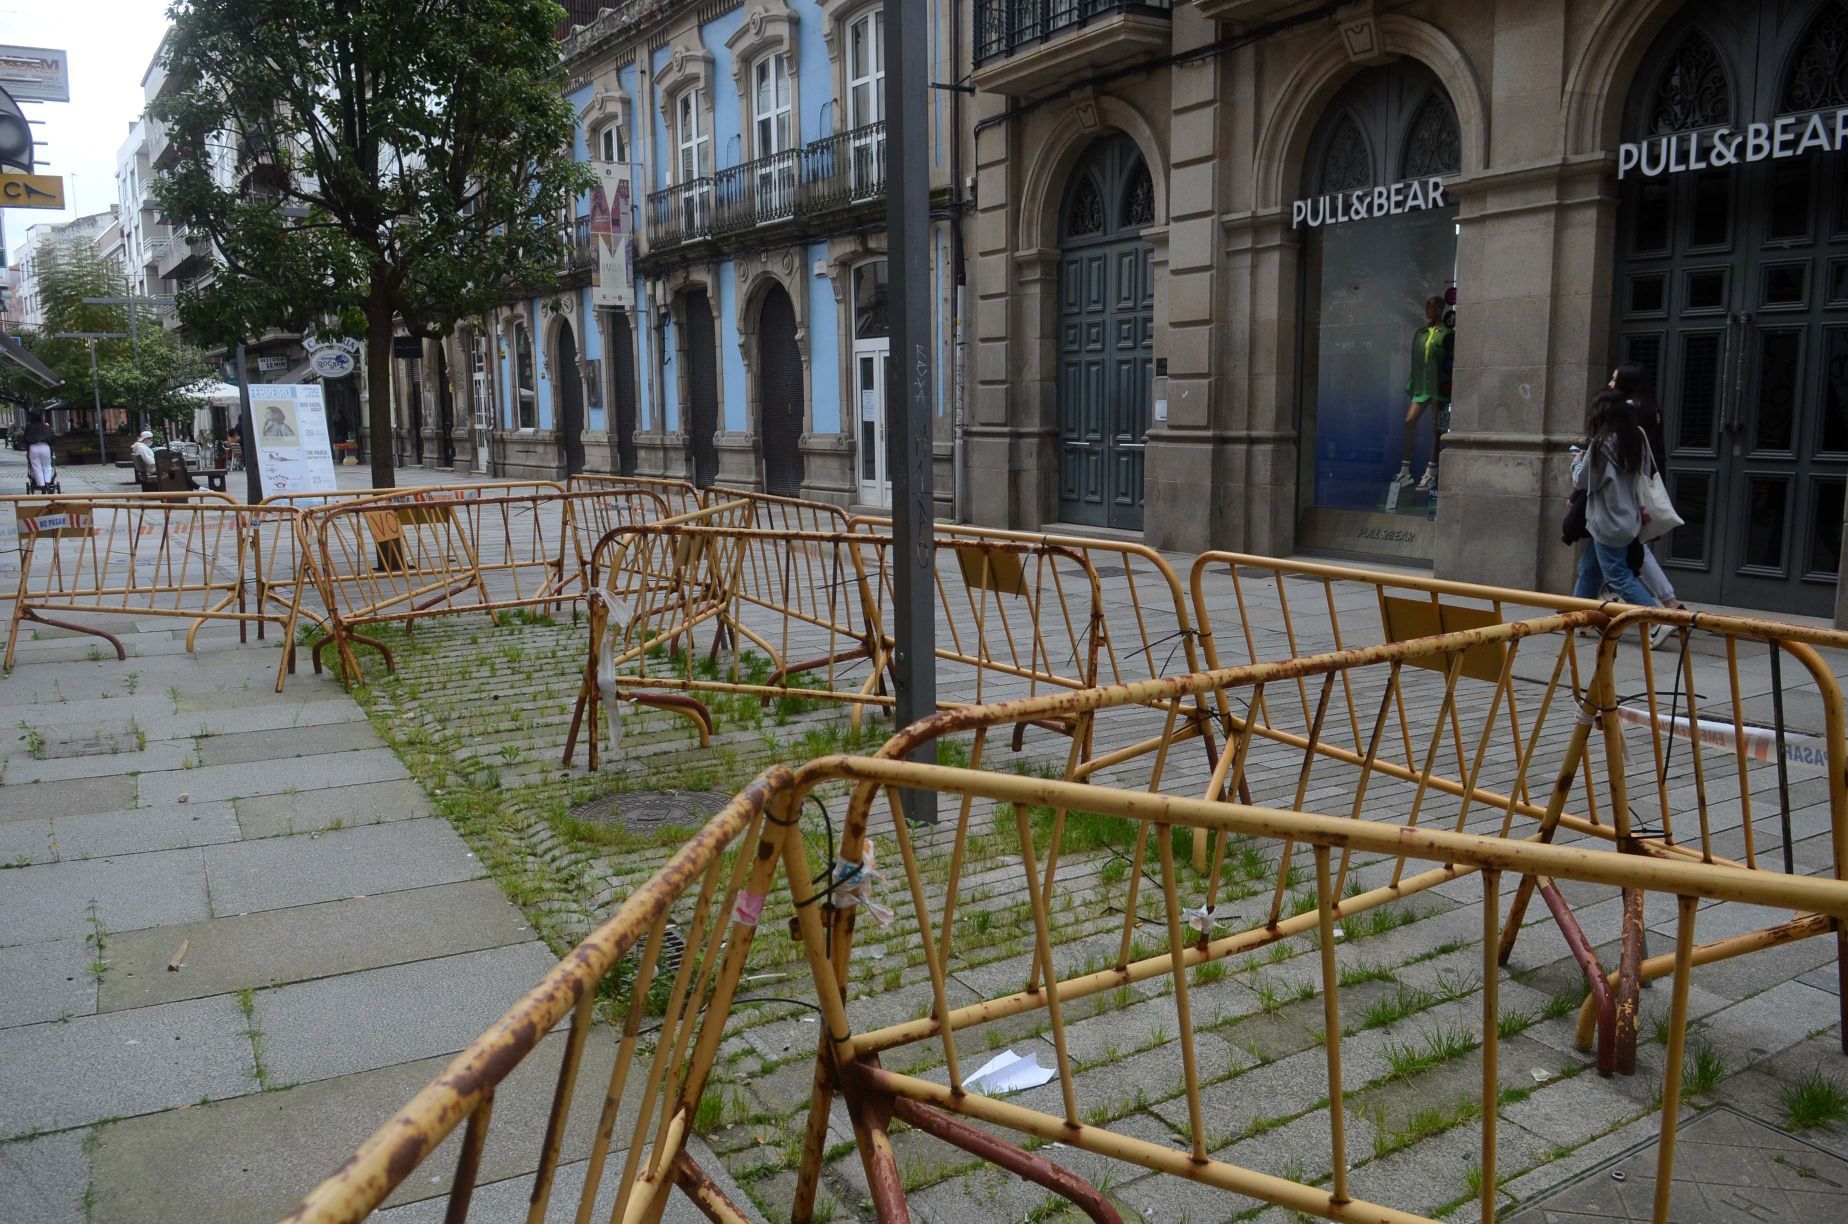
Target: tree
x: 150, y: 376
x: 369, y: 159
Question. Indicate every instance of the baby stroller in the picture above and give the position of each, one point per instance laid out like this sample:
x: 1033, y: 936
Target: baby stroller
x: 50, y: 484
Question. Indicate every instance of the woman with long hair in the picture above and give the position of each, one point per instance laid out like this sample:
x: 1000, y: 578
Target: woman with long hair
x: 1632, y: 381
x: 1613, y: 516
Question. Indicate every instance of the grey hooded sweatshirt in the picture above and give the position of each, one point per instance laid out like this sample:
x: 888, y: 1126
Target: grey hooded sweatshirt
x: 1612, y: 513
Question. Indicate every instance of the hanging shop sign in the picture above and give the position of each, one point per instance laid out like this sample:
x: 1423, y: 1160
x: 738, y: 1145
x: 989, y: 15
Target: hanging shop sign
x: 334, y: 358
x: 1363, y: 203
x: 612, y: 272
x: 1786, y: 136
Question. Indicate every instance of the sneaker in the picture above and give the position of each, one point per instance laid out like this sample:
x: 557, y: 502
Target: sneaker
x: 1662, y: 635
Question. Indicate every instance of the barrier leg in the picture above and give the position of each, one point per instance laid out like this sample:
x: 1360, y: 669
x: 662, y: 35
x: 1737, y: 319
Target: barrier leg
x: 28, y: 614
x: 1036, y: 1169
x: 814, y: 1135
x: 1629, y: 982
x: 706, y: 1194
x: 870, y: 1112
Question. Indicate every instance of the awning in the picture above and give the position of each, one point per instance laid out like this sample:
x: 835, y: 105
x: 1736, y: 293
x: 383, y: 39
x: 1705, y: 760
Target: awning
x: 300, y: 374
x: 23, y: 357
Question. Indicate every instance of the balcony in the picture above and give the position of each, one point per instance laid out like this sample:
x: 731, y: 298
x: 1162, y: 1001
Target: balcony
x: 761, y: 192
x: 788, y: 190
x: 158, y: 144
x: 1249, y: 12
x: 157, y: 251
x: 681, y: 214
x: 1026, y: 47
x: 182, y: 257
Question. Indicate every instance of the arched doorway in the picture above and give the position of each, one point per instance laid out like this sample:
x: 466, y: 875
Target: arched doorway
x: 779, y: 394
x: 702, y: 387
x: 1732, y: 287
x: 1378, y: 291
x: 1106, y: 335
x: 620, y: 343
x: 570, y: 388
x: 445, y: 408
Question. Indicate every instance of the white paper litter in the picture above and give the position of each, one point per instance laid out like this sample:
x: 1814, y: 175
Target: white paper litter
x: 1008, y: 1072
x: 1540, y: 1074
x: 1200, y: 918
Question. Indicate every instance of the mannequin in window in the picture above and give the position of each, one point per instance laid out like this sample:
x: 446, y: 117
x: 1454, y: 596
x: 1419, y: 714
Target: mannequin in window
x: 1428, y: 386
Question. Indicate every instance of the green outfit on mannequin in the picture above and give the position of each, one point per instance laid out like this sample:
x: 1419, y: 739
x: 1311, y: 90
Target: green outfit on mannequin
x: 1428, y: 386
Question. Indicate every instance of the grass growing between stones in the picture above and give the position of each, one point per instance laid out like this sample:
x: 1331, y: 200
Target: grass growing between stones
x: 1814, y: 1100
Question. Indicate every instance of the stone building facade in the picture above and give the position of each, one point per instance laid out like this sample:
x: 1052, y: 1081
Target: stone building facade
x: 753, y: 349
x: 1208, y: 236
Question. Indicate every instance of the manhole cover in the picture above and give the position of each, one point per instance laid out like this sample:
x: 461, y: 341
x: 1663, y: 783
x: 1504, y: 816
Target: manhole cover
x: 638, y: 810
x: 106, y: 739
x: 1727, y: 1167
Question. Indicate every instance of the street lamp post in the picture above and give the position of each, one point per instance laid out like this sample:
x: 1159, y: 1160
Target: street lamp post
x: 96, y: 384
x: 134, y: 329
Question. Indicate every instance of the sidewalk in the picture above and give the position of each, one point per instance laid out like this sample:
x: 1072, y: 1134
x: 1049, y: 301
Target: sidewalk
x: 233, y: 933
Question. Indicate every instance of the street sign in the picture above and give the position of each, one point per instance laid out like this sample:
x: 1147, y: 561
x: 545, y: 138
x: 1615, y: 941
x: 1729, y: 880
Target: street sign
x: 35, y: 74
x: 31, y: 191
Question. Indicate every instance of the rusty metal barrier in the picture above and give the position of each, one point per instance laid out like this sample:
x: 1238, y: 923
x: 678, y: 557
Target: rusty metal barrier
x: 1718, y: 738
x: 1021, y: 616
x: 741, y: 856
x: 681, y: 496
x: 154, y: 555
x: 401, y: 557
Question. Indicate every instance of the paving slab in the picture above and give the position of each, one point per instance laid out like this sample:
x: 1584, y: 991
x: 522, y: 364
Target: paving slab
x: 269, y: 746
x: 278, y: 872
x: 1774, y: 1020
x: 26, y: 841
x: 75, y: 797
x: 135, y: 1062
x: 359, y: 1021
x: 311, y: 811
x: 43, y: 1180
x: 254, y: 1157
x: 275, y: 947
x: 156, y: 756
x: 272, y: 777
x: 46, y: 981
x: 137, y: 830
x: 52, y: 900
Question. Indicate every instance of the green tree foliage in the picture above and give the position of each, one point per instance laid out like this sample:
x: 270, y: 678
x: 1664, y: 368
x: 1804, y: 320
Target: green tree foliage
x: 148, y: 374
x: 368, y: 160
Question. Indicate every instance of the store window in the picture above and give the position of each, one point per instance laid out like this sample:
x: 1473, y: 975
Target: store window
x: 1379, y: 298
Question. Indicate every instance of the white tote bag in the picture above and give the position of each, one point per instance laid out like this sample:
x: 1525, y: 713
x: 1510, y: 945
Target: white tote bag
x: 1659, y: 517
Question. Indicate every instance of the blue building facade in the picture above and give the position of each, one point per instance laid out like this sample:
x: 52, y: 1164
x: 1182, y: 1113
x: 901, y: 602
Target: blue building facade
x: 755, y: 352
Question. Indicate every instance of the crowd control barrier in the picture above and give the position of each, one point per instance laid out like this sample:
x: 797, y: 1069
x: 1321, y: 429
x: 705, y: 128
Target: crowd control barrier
x: 149, y: 556
x: 751, y: 868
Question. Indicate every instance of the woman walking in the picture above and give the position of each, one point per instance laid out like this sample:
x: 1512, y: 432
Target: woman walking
x: 1632, y: 381
x: 1613, y: 516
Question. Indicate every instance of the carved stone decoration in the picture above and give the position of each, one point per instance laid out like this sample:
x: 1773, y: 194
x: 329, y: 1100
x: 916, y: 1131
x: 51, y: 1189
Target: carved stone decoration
x: 1360, y: 33
x: 1819, y: 76
x: 1084, y: 105
x: 1139, y: 198
x: 1433, y: 144
x: 1086, y: 215
x: 1693, y: 92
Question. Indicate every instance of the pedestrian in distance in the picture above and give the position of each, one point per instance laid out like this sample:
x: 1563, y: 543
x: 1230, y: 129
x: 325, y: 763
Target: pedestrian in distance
x: 1632, y: 381
x: 1614, y: 457
x: 38, y: 438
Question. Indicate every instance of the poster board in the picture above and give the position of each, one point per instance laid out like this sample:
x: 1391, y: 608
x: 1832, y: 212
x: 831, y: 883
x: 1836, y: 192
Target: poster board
x: 294, y: 453
x: 612, y: 273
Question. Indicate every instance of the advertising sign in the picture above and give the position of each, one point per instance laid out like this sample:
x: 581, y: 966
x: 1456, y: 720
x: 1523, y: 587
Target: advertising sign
x: 31, y: 191
x: 331, y: 362
x: 1336, y: 208
x: 612, y: 276
x: 291, y: 444
x: 1787, y: 136
x: 35, y: 74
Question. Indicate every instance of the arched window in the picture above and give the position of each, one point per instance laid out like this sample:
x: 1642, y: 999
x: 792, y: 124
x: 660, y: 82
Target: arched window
x: 1139, y: 198
x: 1084, y: 216
x: 1433, y: 145
x: 1818, y: 77
x: 1694, y: 91
x: 609, y: 143
x: 1347, y: 163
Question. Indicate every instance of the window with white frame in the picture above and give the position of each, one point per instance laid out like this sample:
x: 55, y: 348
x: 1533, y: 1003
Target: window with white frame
x: 866, y: 69
x: 609, y: 143
x: 775, y: 126
x: 690, y: 131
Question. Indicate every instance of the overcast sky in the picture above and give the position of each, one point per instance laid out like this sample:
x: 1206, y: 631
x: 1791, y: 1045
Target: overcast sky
x: 110, y: 43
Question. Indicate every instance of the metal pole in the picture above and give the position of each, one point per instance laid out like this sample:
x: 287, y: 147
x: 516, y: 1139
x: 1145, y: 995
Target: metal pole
x: 96, y: 385
x: 247, y: 433
x: 909, y: 399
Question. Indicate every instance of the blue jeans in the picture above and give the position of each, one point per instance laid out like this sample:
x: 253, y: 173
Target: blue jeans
x: 1603, y: 565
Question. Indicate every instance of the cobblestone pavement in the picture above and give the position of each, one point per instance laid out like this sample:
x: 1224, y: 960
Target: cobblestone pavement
x: 345, y: 932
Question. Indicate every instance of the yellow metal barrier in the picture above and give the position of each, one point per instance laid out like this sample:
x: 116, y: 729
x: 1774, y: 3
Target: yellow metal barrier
x: 400, y: 557
x: 737, y: 862
x: 156, y: 555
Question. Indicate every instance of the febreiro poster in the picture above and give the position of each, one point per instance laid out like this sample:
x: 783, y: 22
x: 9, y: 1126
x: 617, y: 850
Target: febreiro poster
x: 294, y: 454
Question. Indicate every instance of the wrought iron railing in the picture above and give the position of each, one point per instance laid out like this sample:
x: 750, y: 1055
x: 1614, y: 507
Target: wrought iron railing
x: 845, y: 169
x: 840, y: 171
x: 682, y: 213
x: 1003, y: 27
x: 758, y: 192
